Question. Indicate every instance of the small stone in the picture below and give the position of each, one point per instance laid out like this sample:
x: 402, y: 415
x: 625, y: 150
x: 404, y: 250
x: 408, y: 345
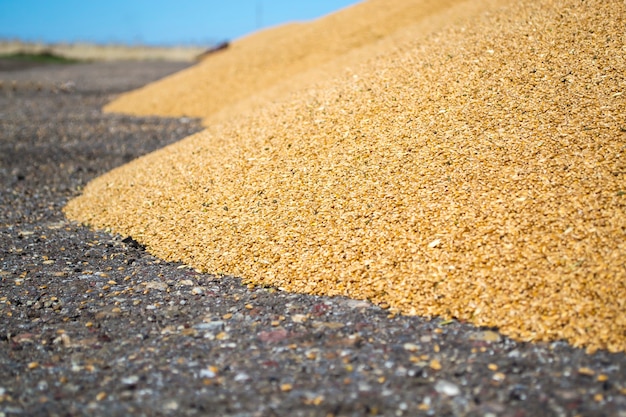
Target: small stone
x: 514, y: 354
x: 586, y: 371
x: 299, y: 318
x: 222, y: 336
x: 311, y: 398
x: 24, y: 338
x: 210, y: 372
x: 156, y: 285
x: 171, y: 405
x: 130, y: 380
x: 168, y: 330
x: 447, y: 388
x: 286, y: 387
x: 101, y: 396
x: 411, y: 347
x: 273, y: 335
x: 241, y: 377
x: 357, y: 303
x: 189, y: 332
x: 498, y: 376
x: 486, y: 336
x: 210, y: 325
x: 197, y: 290
x: 328, y: 324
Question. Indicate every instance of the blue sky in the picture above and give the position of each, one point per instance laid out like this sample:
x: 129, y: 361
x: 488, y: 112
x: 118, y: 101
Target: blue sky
x: 155, y: 22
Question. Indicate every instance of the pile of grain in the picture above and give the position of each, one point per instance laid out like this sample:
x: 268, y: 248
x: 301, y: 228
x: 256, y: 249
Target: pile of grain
x: 258, y: 62
x: 475, y: 172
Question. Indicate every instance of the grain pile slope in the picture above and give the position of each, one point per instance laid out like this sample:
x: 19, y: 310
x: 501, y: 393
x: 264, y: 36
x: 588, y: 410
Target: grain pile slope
x: 477, y: 173
x: 264, y: 59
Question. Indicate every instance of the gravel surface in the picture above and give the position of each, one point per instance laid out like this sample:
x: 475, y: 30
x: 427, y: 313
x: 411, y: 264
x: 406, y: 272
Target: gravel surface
x: 91, y: 324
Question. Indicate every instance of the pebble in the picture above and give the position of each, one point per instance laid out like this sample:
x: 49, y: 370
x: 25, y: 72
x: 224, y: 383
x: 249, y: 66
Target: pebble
x: 156, y: 285
x: 485, y: 336
x: 130, y: 380
x: 586, y: 371
x: 351, y: 303
x: 210, y: 325
x: 208, y: 373
x: 333, y: 325
x: 273, y: 335
x: 498, y: 376
x: 197, y: 290
x: 411, y: 347
x: 241, y: 377
x: 447, y: 388
x: 299, y: 318
x: 171, y: 405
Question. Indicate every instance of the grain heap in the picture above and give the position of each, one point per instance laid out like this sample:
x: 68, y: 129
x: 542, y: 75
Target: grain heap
x: 474, y: 172
x: 265, y: 59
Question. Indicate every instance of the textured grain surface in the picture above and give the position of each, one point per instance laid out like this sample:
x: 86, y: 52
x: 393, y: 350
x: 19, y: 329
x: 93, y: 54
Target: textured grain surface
x: 474, y: 172
x: 269, y: 58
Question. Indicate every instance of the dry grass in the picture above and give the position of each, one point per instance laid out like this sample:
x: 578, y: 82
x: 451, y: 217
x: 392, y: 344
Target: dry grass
x: 93, y: 52
x: 470, y: 170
